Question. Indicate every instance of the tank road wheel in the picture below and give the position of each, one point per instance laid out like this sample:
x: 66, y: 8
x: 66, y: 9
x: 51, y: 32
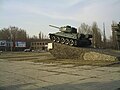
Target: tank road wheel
x: 58, y: 39
x: 72, y: 43
x: 67, y: 41
x: 62, y: 40
x: 53, y: 38
x: 76, y: 43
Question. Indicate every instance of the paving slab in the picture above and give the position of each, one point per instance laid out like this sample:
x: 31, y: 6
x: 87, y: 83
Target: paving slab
x: 62, y: 78
x: 108, y: 69
x: 111, y: 76
x: 24, y: 75
x: 61, y: 87
x: 43, y: 84
x: 67, y: 66
x: 44, y: 67
x: 64, y: 70
x: 97, y: 84
x: 85, y: 67
x: 36, y: 73
x: 26, y: 86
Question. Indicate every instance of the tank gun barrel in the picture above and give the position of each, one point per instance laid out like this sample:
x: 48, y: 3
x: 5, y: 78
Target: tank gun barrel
x: 54, y: 26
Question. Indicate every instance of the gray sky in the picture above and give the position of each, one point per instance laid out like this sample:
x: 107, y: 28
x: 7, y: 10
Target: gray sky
x: 35, y: 15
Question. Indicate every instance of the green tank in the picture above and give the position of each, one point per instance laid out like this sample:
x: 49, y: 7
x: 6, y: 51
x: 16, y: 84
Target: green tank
x: 68, y: 35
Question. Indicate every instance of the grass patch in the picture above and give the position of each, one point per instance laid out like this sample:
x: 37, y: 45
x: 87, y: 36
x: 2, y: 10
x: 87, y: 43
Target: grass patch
x: 76, y: 62
x: 8, y: 55
x: 48, y: 58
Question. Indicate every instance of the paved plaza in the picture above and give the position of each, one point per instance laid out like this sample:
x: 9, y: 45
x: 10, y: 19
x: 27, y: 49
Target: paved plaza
x: 26, y: 75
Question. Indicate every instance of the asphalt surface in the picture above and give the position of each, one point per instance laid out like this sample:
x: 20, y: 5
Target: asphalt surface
x: 25, y: 75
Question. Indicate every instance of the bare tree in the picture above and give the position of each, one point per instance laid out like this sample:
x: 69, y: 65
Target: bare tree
x: 104, y: 36
x: 96, y: 36
x: 34, y: 37
x: 13, y: 32
x: 40, y: 35
x: 109, y: 42
x: 85, y: 29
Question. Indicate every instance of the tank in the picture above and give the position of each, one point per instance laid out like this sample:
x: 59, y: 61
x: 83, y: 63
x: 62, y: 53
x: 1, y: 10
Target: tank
x: 68, y: 35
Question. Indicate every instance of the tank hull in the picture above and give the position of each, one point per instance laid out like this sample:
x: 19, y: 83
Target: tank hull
x: 72, y: 39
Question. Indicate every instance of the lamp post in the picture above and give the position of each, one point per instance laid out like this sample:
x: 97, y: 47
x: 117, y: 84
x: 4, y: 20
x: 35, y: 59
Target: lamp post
x: 10, y: 38
x: 104, y: 35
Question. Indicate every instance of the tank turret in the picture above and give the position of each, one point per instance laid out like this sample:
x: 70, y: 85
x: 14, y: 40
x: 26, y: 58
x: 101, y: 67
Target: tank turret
x: 66, y: 29
x: 68, y: 35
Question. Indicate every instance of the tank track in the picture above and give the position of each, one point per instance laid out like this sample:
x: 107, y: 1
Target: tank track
x: 68, y: 41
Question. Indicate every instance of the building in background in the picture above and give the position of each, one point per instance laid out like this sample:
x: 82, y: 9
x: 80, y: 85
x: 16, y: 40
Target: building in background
x: 6, y: 45
x: 116, y: 35
x: 3, y: 44
x: 39, y: 44
x: 35, y: 44
x: 20, y: 45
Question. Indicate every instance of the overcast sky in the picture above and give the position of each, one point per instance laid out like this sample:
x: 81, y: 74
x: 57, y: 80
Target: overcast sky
x: 35, y: 15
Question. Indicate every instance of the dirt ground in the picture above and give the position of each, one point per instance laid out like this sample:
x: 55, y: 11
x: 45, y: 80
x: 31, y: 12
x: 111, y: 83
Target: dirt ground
x: 41, y: 71
x: 46, y: 57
